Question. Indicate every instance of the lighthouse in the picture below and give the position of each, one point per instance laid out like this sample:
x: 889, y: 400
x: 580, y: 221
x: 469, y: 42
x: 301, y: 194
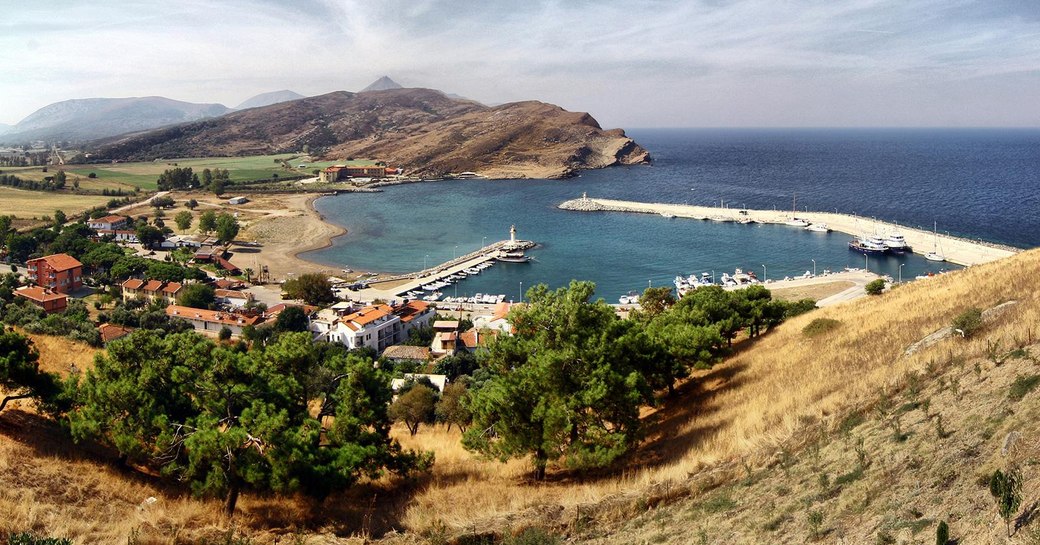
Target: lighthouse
x: 512, y: 234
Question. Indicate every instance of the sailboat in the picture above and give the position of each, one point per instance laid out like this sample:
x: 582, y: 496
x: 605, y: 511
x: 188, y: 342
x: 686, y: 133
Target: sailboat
x: 795, y: 221
x: 936, y: 253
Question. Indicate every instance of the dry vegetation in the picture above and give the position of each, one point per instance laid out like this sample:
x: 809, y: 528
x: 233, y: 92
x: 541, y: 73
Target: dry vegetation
x: 23, y: 203
x: 737, y: 453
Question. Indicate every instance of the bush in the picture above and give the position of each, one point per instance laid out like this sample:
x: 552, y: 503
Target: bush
x: 1022, y: 386
x: 29, y: 538
x: 942, y: 534
x: 532, y: 536
x: 819, y: 326
x: 968, y: 322
x: 875, y: 287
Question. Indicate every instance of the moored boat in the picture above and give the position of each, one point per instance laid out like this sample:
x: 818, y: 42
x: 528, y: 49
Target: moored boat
x: 895, y: 242
x: 867, y: 245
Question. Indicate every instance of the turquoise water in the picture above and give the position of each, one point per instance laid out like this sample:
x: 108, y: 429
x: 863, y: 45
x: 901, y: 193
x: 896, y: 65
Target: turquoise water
x: 409, y: 226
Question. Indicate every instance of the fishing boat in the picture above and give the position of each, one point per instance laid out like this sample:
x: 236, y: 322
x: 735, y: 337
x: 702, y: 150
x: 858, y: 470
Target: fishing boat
x: 866, y: 245
x: 895, y: 242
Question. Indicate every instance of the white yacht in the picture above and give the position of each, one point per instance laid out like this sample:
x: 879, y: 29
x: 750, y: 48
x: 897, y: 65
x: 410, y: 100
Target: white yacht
x: 818, y: 228
x: 895, y: 242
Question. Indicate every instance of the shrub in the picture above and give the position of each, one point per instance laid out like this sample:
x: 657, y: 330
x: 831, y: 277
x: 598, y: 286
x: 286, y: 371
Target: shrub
x: 225, y: 333
x: 532, y: 536
x: 968, y: 322
x: 942, y: 534
x: 1022, y: 386
x: 875, y: 287
x: 819, y: 326
x: 29, y: 538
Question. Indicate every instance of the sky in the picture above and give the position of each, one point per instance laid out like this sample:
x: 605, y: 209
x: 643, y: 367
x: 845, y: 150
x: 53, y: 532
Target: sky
x: 630, y: 63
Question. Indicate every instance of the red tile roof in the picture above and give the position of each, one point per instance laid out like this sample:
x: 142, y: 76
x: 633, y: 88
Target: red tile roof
x: 225, y: 264
x: 152, y: 285
x: 367, y: 315
x: 411, y: 310
x: 60, y: 262
x: 133, y: 284
x: 212, y: 316
x: 111, y: 332
x: 109, y: 219
x: 38, y: 294
x: 172, y: 288
x: 232, y: 294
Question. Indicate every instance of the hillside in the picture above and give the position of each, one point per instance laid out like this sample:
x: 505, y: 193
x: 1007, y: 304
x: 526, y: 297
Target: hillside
x: 421, y: 130
x: 93, y: 118
x: 843, y: 423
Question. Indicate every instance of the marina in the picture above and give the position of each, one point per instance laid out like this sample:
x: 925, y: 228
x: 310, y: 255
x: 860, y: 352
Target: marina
x: 870, y: 233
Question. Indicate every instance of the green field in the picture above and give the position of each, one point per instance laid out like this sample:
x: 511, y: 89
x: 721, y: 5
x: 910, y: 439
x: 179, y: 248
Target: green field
x: 144, y: 174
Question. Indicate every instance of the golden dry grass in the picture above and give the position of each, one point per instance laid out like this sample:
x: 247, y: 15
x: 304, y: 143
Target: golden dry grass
x: 59, y: 354
x: 757, y: 401
x: 746, y: 410
x: 28, y: 204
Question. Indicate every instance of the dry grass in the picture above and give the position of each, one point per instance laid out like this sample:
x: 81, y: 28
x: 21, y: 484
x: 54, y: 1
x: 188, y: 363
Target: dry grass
x: 59, y: 354
x: 815, y: 292
x: 757, y: 404
x: 28, y: 204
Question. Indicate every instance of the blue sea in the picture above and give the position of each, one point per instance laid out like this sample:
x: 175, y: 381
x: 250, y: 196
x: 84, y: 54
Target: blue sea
x: 976, y: 183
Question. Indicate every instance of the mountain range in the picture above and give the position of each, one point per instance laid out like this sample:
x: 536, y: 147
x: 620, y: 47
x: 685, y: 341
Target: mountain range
x: 422, y: 130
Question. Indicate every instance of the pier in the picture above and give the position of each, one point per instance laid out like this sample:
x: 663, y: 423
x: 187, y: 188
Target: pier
x: 956, y: 250
x: 396, y: 286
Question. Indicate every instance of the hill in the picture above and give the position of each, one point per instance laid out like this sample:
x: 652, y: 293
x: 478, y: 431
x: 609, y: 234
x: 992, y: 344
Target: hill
x: 824, y: 429
x: 93, y: 118
x: 421, y: 130
x: 267, y: 99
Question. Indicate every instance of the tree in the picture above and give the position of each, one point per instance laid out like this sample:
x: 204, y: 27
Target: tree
x: 5, y: 226
x: 656, y: 300
x: 192, y: 203
x: 59, y: 219
x: 451, y: 408
x: 227, y: 227
x: 313, y: 288
x: 559, y: 388
x: 291, y: 318
x: 224, y: 421
x: 20, y: 374
x: 942, y: 533
x: 414, y: 407
x: 177, y: 178
x: 875, y: 287
x: 183, y: 220
x: 164, y: 201
x: 197, y: 296
x: 224, y: 334
x: 1006, y: 489
x: 208, y: 221
x: 149, y: 235
x: 59, y: 180
x: 968, y: 322
x: 458, y: 364
x: 218, y: 186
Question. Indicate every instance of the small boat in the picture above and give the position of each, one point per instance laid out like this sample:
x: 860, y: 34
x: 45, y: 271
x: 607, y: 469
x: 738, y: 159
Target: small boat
x: 936, y: 253
x: 630, y: 298
x: 513, y: 257
x: 934, y: 256
x: 867, y: 245
x: 897, y: 243
x: 798, y: 222
x: 667, y: 215
x: 746, y: 220
x: 818, y: 228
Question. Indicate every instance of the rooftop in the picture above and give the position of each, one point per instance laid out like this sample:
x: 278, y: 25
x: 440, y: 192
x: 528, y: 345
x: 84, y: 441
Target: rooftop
x: 38, y: 294
x: 212, y: 316
x: 59, y: 262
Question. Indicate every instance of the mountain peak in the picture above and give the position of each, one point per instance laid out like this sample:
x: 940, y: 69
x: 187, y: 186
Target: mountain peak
x: 382, y: 84
x: 267, y: 99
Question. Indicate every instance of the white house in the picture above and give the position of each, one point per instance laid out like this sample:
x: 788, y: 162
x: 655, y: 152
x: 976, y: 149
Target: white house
x: 439, y: 381
x: 376, y: 326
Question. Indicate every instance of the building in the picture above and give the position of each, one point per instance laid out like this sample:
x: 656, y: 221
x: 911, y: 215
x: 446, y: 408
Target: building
x: 378, y: 326
x: 470, y: 341
x: 44, y: 298
x: 119, y: 235
x: 339, y: 173
x: 210, y: 322
x: 58, y: 272
x: 111, y: 332
x: 232, y: 298
x: 401, y: 352
x: 109, y: 223
x: 152, y: 290
x: 237, y: 200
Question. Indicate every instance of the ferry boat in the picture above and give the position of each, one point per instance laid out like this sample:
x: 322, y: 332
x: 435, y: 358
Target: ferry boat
x: 868, y: 245
x: 513, y: 257
x: 896, y: 243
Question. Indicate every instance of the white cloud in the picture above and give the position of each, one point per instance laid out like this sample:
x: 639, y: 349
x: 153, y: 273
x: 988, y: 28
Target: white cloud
x: 633, y: 63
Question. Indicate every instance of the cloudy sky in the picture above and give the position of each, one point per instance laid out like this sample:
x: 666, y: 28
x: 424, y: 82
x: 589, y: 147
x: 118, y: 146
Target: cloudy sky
x: 631, y: 63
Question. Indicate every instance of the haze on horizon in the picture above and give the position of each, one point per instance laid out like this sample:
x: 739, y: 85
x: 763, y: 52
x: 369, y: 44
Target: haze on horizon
x: 649, y: 63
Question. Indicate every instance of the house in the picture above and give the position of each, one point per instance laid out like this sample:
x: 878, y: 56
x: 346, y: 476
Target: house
x: 237, y: 200
x: 338, y: 173
x: 470, y: 341
x: 151, y: 290
x: 109, y: 223
x: 442, y: 329
x: 207, y: 254
x: 400, y: 352
x: 378, y: 326
x: 58, y: 272
x: 44, y: 298
x: 498, y: 319
x: 111, y: 332
x: 119, y: 235
x: 438, y: 381
x: 210, y: 322
x: 232, y: 298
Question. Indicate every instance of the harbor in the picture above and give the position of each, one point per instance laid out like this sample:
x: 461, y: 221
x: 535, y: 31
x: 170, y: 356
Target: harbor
x: 427, y: 284
x: 955, y: 250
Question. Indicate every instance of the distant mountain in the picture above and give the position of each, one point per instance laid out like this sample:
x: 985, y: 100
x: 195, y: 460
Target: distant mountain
x: 421, y: 130
x: 382, y: 84
x: 267, y: 99
x: 93, y: 118
x: 4, y: 128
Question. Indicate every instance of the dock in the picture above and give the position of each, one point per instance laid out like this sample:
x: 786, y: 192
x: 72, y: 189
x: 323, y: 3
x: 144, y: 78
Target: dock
x: 956, y: 250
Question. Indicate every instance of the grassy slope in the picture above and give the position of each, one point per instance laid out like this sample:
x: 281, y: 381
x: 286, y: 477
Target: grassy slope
x: 737, y: 458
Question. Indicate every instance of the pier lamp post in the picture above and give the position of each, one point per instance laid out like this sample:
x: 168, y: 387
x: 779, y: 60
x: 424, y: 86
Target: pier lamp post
x: 901, y: 272
x: 764, y: 275
x: 482, y: 242
x: 521, y: 291
x: 866, y: 267
x: 425, y: 261
x: 813, y: 267
x: 455, y: 252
